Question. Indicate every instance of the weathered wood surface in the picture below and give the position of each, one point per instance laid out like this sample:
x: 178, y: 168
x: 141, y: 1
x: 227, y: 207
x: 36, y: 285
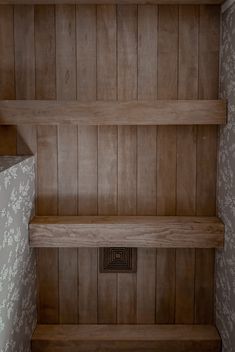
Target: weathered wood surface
x: 158, y: 338
x: 160, y: 112
x: 129, y: 231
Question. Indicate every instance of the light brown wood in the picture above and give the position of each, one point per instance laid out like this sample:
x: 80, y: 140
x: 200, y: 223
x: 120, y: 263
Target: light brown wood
x: 47, y: 259
x: 168, y: 112
x: 146, y: 158
x: 207, y: 159
x: 127, y: 177
x: 8, y: 135
x: 47, y: 178
x: 159, y: 338
x: 67, y: 145
x: 24, y: 65
x: 107, y: 2
x: 186, y: 160
x: 129, y: 231
x: 7, y: 86
x: 107, y: 149
x: 45, y: 46
x: 166, y: 159
x: 161, y: 66
x: 87, y: 161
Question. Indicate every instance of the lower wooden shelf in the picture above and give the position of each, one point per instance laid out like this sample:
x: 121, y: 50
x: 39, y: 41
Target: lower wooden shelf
x: 126, y: 231
x: 138, y: 338
x: 133, y: 112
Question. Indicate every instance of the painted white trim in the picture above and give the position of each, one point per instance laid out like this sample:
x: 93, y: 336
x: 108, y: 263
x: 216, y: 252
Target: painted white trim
x: 226, y: 5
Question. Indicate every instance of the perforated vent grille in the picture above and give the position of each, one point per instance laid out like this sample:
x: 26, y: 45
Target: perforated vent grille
x: 118, y: 260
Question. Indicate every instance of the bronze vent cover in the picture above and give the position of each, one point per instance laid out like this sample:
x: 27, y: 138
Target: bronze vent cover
x: 118, y: 260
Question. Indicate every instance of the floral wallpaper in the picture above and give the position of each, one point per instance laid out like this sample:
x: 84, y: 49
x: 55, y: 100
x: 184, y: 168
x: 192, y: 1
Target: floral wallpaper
x: 17, y: 261
x: 225, y: 259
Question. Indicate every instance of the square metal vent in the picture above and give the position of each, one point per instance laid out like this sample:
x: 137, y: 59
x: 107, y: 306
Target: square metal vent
x: 118, y: 260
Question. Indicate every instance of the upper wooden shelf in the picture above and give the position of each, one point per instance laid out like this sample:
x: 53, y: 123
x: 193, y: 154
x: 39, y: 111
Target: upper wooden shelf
x: 159, y: 112
x: 126, y: 231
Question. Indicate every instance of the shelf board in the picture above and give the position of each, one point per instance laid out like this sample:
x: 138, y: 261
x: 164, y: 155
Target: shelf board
x: 107, y: 2
x: 158, y: 112
x: 158, y: 338
x: 126, y: 231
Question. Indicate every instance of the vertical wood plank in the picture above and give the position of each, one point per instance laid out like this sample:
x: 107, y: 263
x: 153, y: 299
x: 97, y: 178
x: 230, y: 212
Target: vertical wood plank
x: 65, y: 52
x: 147, y: 51
x: 87, y: 156
x: 107, y: 149
x: 47, y: 259
x: 7, y: 76
x: 168, y: 36
x: 127, y: 89
x: 107, y: 204
x: 67, y: 158
x: 166, y: 158
x: 117, y: 153
x: 127, y: 52
x: 206, y: 158
x: 146, y: 158
x: 45, y: 52
x: 67, y: 205
x: 25, y: 71
x: 188, y: 52
x: 186, y: 159
x: 209, y: 36
x: 24, y: 51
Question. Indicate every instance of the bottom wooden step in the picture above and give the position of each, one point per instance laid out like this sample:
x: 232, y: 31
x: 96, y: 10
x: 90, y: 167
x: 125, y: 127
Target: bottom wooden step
x: 114, y: 338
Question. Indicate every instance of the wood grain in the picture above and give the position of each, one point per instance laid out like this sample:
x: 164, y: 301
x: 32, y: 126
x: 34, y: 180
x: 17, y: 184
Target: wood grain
x: 101, y: 2
x: 127, y: 89
x: 8, y: 135
x: 164, y: 338
x: 47, y: 259
x: 186, y: 160
x: 107, y: 149
x: 87, y: 160
x: 207, y: 159
x: 161, y: 112
x: 47, y: 178
x: 7, y: 86
x: 25, y: 72
x: 67, y: 158
x: 119, y: 231
x: 168, y: 58
x: 166, y: 158
x: 45, y: 47
x: 146, y: 159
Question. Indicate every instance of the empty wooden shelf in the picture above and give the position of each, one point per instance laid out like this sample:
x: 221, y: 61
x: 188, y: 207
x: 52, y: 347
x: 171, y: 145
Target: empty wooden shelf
x: 123, y: 2
x: 158, y: 338
x: 159, y: 112
x: 126, y: 231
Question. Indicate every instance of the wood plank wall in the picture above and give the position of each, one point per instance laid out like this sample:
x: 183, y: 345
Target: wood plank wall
x: 108, y: 53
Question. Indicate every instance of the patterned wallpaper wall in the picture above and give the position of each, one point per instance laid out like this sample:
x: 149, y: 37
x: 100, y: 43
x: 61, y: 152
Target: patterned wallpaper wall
x: 225, y: 259
x: 17, y: 262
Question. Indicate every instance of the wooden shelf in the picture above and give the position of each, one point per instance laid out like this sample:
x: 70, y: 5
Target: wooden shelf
x: 104, y: 2
x: 126, y: 231
x: 159, y: 112
x: 158, y: 338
